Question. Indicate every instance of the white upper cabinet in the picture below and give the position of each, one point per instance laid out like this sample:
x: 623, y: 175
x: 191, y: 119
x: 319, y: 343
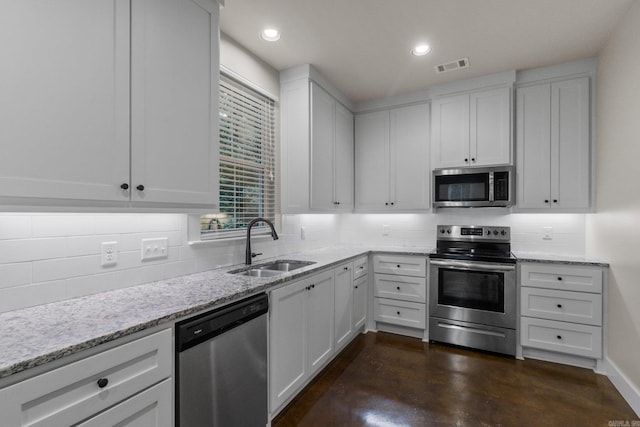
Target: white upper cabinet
x: 317, y: 147
x: 472, y: 129
x: 553, y: 146
x: 392, y: 159
x: 174, y: 99
x: 101, y: 97
x: 331, y: 153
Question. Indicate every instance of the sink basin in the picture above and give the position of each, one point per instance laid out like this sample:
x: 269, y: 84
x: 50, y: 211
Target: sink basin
x: 270, y: 269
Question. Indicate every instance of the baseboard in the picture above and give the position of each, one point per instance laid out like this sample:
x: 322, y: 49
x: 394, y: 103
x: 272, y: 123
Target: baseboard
x: 627, y: 389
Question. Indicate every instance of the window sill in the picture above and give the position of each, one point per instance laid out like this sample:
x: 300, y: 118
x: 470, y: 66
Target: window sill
x: 233, y: 239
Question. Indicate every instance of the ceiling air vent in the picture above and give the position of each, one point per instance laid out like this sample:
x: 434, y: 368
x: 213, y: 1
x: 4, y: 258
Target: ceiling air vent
x: 453, y: 65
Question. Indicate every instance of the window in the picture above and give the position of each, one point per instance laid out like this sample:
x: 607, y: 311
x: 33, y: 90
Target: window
x: 247, y: 164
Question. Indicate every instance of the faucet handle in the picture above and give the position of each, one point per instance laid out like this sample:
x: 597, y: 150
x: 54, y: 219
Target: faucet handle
x: 253, y: 254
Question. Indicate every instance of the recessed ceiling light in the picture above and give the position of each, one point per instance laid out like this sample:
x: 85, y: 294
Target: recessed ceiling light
x: 421, y: 50
x: 270, y: 35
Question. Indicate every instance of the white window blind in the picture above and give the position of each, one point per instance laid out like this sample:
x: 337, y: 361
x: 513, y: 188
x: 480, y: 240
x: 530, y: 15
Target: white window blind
x: 247, y: 161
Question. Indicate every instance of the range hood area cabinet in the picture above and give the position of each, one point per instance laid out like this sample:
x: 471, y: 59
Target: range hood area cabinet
x: 553, y: 160
x: 109, y: 103
x: 317, y: 148
x: 392, y: 160
x: 472, y: 129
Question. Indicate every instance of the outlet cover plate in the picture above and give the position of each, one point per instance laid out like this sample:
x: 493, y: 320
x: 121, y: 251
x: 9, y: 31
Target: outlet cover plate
x: 109, y: 253
x: 157, y: 248
x: 547, y: 233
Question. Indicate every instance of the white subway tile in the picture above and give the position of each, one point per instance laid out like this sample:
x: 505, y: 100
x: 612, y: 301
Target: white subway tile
x: 15, y: 274
x: 12, y: 251
x: 15, y: 226
x: 62, y: 225
x: 30, y: 295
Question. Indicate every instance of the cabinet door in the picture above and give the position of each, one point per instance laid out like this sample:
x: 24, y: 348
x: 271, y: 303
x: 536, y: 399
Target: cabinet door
x: 372, y: 161
x: 343, y: 304
x: 570, y: 166
x: 295, y: 97
x: 64, y: 108
x: 410, y: 163
x: 320, y: 321
x: 534, y: 146
x: 360, y: 286
x: 288, y: 341
x: 490, y: 127
x: 344, y: 159
x: 174, y: 101
x: 322, y: 149
x: 151, y: 408
x: 450, y: 131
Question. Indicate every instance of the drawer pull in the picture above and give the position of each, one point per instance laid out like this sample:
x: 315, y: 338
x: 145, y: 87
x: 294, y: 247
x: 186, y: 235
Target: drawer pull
x: 102, y: 382
x: 346, y: 268
x: 398, y: 313
x: 398, y: 265
x: 559, y: 305
x: 398, y: 287
x: 560, y: 279
x: 356, y: 287
x: 559, y: 337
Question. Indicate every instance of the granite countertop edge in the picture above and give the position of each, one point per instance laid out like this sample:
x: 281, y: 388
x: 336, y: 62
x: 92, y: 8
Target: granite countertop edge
x: 165, y: 301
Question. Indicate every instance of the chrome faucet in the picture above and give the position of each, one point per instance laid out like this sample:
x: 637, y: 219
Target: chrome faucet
x: 248, y: 253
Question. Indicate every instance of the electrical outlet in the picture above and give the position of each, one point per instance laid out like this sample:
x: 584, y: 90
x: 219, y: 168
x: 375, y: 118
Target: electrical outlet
x: 109, y: 253
x: 385, y: 230
x: 547, y: 233
x: 155, y: 248
x: 303, y: 233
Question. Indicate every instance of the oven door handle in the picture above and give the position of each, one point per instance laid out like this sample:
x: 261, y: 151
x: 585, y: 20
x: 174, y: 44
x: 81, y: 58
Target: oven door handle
x: 463, y: 265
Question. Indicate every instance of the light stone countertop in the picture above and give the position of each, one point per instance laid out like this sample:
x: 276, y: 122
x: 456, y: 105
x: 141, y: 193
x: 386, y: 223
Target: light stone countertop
x: 37, y: 335
x: 559, y: 259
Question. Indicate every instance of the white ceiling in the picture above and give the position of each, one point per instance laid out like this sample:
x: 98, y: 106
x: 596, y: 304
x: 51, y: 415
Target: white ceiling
x: 363, y: 46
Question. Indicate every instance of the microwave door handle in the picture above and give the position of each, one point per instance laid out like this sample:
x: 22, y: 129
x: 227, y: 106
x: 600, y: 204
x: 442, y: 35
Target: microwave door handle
x: 461, y: 265
x: 491, y: 187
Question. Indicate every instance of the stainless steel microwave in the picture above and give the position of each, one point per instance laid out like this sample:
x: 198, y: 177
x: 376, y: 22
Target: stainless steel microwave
x: 473, y: 187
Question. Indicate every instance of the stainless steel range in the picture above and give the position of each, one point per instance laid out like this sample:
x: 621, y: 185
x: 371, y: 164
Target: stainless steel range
x: 472, y: 288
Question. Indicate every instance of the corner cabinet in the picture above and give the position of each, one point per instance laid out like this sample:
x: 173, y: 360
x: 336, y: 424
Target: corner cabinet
x: 317, y: 149
x: 109, y: 103
x: 553, y: 145
x: 129, y: 385
x: 392, y: 160
x: 472, y: 129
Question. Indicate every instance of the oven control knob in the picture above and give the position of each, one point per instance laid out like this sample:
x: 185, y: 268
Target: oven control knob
x: 495, y: 232
x: 504, y: 233
x: 442, y: 231
x: 448, y: 231
x: 488, y: 232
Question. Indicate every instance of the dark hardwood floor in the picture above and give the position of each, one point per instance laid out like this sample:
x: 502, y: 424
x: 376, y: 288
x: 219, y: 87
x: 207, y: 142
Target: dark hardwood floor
x: 386, y: 380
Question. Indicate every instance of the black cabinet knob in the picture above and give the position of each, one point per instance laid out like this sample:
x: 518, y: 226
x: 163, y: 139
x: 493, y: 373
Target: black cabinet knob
x: 102, y: 382
x: 398, y: 265
x: 473, y: 159
x: 559, y: 337
x: 559, y: 305
x: 398, y: 313
x: 546, y: 201
x: 386, y: 204
x: 356, y: 286
x: 391, y: 203
x: 398, y: 287
x: 125, y: 186
x: 346, y: 268
x: 555, y: 200
x: 560, y: 279
x: 466, y: 160
x: 140, y: 187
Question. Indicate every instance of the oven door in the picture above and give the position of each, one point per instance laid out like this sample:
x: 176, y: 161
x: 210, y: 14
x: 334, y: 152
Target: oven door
x: 476, y: 292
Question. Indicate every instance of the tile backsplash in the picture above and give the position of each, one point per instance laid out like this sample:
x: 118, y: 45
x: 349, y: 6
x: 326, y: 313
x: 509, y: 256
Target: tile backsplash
x: 51, y: 257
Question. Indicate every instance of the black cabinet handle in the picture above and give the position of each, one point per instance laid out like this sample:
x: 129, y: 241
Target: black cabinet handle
x: 559, y: 337
x: 356, y: 286
x: 102, y: 382
x: 346, y: 268
x: 398, y: 265
x: 398, y: 287
x: 546, y: 201
x: 398, y: 313
x: 125, y: 186
x: 473, y: 159
x: 560, y: 279
x: 559, y: 305
x: 466, y: 160
x: 140, y: 187
x: 392, y: 203
x: 555, y: 200
x: 386, y: 204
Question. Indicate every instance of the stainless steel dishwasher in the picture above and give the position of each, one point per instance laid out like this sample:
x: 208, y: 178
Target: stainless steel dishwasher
x: 221, y: 366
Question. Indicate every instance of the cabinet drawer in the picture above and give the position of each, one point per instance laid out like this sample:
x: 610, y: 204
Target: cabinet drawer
x: 152, y: 407
x: 400, y: 264
x: 561, y: 277
x: 405, y: 288
x: 360, y: 267
x: 403, y: 313
x: 577, y: 307
x: 70, y: 394
x: 571, y: 338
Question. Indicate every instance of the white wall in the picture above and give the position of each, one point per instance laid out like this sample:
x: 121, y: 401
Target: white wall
x: 613, y: 232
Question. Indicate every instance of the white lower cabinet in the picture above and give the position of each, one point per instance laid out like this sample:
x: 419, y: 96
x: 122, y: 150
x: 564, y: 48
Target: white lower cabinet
x: 132, y: 379
x: 301, y: 334
x: 400, y: 292
x: 562, y: 309
x: 311, y: 320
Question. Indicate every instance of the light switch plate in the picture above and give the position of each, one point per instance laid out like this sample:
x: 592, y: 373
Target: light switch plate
x: 109, y: 253
x: 155, y: 248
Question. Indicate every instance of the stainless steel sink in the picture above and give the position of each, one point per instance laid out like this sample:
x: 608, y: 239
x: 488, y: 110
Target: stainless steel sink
x: 273, y: 268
